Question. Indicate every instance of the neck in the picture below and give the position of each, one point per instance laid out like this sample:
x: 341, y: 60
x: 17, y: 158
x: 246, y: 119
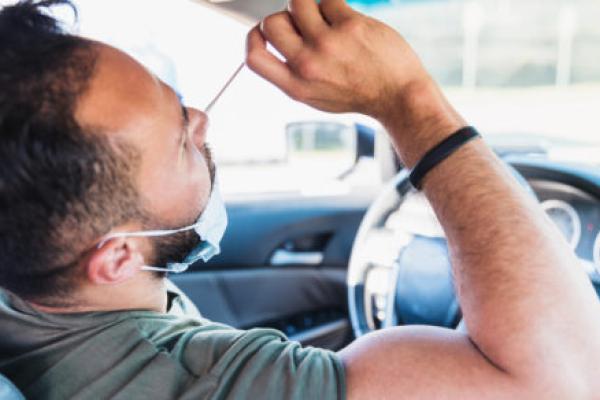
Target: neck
x: 148, y: 295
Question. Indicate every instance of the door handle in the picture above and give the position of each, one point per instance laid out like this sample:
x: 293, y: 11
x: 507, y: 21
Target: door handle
x: 286, y: 257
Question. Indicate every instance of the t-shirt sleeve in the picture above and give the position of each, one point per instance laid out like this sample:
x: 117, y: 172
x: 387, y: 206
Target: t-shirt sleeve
x: 260, y: 364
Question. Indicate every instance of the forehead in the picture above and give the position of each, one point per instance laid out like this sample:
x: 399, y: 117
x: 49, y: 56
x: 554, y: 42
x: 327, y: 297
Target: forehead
x: 121, y: 94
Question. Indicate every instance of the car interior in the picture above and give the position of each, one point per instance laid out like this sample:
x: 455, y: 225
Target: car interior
x: 327, y: 266
x: 326, y: 269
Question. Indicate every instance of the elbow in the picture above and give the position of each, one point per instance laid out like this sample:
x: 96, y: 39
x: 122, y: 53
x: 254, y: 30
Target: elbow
x: 547, y: 366
x: 565, y: 382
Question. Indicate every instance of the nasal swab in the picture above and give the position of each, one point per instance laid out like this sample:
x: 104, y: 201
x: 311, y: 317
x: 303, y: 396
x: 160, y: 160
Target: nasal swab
x: 212, y: 103
x: 224, y: 88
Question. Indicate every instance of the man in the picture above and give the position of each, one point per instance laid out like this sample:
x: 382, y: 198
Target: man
x: 97, y: 154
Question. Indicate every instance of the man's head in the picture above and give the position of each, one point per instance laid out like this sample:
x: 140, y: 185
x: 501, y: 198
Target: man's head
x: 91, y: 143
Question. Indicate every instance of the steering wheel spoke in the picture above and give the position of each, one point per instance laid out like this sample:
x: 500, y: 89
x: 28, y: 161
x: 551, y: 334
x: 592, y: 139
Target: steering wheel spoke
x: 400, y: 269
x: 593, y: 272
x: 382, y: 246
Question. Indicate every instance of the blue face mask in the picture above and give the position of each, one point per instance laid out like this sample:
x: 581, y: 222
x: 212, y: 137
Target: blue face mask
x: 210, y: 227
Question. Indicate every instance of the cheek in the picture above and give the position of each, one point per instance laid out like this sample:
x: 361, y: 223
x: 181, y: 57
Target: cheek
x: 177, y: 193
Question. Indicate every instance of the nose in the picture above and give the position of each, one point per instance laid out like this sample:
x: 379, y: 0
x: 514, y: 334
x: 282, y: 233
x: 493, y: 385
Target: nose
x: 198, y: 126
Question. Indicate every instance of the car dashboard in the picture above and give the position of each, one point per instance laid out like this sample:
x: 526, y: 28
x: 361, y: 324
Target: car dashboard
x: 570, y: 195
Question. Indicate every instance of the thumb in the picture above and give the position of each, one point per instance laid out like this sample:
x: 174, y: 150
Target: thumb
x: 260, y: 60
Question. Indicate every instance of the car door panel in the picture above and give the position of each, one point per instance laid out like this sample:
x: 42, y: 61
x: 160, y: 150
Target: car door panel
x: 307, y: 304
x: 258, y: 227
x: 244, y: 287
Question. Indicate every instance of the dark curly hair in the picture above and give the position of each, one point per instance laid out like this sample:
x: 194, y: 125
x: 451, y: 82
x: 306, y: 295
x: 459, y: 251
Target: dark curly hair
x: 62, y: 185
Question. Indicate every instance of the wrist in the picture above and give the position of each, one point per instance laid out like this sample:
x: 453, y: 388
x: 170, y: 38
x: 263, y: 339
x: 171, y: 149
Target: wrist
x: 418, y: 118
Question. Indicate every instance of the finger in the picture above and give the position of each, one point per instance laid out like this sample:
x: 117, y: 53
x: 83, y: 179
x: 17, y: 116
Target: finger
x: 307, y: 17
x: 278, y: 29
x: 265, y: 64
x: 336, y: 11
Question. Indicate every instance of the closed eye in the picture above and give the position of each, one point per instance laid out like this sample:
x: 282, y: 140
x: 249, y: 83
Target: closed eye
x: 185, y: 122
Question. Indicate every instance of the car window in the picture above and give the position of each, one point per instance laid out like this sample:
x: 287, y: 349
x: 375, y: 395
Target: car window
x: 520, y: 70
x: 253, y: 127
x: 526, y: 67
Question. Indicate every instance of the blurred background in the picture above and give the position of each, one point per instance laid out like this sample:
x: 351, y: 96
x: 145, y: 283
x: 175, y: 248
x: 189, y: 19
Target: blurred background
x: 515, y: 69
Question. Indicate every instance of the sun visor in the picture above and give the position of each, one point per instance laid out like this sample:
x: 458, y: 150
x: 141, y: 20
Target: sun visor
x: 248, y: 11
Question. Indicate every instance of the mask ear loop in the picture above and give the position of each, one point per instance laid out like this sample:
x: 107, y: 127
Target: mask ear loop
x: 176, y: 268
x: 154, y: 233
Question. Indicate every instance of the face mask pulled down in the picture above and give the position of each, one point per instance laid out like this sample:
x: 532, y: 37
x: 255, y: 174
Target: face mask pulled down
x: 210, y: 227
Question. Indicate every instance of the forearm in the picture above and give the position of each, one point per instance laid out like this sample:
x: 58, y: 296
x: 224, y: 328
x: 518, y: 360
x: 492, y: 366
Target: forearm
x: 526, y: 302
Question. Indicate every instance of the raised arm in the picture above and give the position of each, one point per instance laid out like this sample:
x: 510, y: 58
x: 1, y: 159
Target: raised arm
x: 533, y: 317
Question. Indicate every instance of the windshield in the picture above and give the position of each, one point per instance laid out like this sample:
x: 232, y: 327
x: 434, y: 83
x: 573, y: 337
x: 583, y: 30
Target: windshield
x: 511, y: 67
x: 517, y: 70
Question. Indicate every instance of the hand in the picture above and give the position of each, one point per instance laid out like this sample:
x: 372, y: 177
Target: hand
x: 338, y: 60
x: 335, y: 59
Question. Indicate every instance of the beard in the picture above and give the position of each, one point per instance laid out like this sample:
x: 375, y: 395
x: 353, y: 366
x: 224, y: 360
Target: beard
x: 173, y: 248
x: 169, y: 248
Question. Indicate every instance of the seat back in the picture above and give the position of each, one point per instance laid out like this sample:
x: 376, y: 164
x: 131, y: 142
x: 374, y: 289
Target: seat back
x: 8, y: 391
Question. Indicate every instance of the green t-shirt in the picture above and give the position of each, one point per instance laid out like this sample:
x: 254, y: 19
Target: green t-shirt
x: 148, y: 355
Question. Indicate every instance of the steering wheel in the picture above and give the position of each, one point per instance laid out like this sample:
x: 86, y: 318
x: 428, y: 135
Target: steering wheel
x: 399, y: 271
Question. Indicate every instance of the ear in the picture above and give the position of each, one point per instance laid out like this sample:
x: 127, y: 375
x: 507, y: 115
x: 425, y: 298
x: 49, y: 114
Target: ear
x: 116, y: 261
